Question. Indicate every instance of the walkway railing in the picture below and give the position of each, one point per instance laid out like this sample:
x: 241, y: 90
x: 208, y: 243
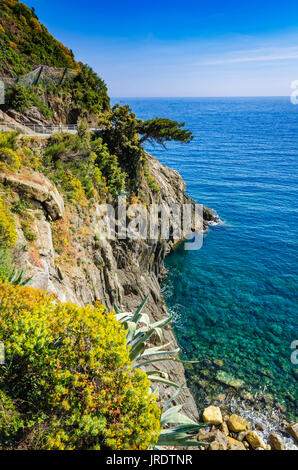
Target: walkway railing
x: 44, y: 129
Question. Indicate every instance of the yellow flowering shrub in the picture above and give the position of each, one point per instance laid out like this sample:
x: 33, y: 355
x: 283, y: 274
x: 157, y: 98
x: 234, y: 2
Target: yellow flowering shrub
x: 76, y: 188
x: 10, y: 157
x: 70, y: 378
x: 8, y: 234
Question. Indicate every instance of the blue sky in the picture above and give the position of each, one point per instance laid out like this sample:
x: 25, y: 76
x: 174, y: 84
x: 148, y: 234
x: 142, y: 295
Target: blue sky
x: 170, y: 48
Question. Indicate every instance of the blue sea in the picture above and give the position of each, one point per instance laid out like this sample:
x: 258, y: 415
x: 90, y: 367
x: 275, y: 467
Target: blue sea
x: 234, y: 301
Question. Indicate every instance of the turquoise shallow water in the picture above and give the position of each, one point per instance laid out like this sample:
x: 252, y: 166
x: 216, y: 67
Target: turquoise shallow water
x: 235, y: 299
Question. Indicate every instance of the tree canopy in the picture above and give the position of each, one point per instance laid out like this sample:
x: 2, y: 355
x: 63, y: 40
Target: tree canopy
x: 161, y: 130
x: 124, y: 135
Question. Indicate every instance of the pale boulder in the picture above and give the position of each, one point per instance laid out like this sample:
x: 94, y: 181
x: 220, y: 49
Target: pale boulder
x: 237, y: 424
x: 212, y: 415
x: 255, y: 440
x: 234, y: 444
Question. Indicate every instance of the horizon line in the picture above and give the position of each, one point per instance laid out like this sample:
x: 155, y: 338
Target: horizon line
x: 207, y: 97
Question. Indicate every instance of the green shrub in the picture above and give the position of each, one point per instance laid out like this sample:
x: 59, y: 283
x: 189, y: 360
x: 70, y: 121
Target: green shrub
x: 8, y: 234
x: 29, y: 234
x: 6, y: 263
x: 78, y: 165
x: 69, y: 377
x: 21, y: 98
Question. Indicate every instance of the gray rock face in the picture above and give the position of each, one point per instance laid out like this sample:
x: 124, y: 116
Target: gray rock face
x: 38, y: 187
x: 121, y: 271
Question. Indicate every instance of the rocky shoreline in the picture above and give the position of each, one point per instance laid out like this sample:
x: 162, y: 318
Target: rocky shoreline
x: 122, y: 271
x: 235, y: 432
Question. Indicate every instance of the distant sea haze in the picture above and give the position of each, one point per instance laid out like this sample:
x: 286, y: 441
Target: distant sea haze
x: 235, y: 300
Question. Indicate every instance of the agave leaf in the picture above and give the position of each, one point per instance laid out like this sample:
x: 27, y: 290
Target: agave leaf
x: 154, y: 350
x: 157, y: 378
x: 173, y: 416
x: 186, y: 428
x: 137, y: 351
x: 122, y: 317
x: 117, y: 311
x: 27, y: 281
x: 12, y: 277
x: 159, y: 333
x: 161, y: 323
x: 136, y: 316
x: 172, y: 437
x: 19, y: 277
x: 16, y: 278
x: 160, y: 359
x: 131, y: 329
x: 161, y: 373
x: 144, y: 337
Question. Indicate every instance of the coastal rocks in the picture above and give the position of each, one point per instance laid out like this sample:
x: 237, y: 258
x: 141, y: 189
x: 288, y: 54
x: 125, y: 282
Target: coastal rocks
x: 237, y: 424
x: 38, y: 187
x: 233, y: 444
x: 212, y: 415
x: 293, y: 430
x: 277, y: 442
x: 228, y: 379
x: 224, y: 428
x: 255, y: 440
x: 216, y: 440
x: 92, y: 269
x: 242, y: 434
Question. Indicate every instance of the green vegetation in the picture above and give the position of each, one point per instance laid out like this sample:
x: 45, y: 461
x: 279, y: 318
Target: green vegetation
x: 25, y: 43
x: 68, y: 382
x: 161, y: 130
x: 9, y: 273
x: 72, y: 377
x: 88, y: 92
x: 139, y: 331
x: 6, y: 263
x: 8, y: 234
x: 21, y: 98
x: 121, y: 132
x: 82, y: 166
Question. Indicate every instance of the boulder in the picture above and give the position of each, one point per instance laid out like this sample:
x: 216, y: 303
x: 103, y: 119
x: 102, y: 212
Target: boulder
x: 224, y: 428
x: 255, y: 440
x: 233, y: 444
x: 259, y: 427
x: 38, y: 187
x: 293, y: 430
x: 212, y: 415
x: 212, y: 437
x: 241, y: 436
x: 237, y: 424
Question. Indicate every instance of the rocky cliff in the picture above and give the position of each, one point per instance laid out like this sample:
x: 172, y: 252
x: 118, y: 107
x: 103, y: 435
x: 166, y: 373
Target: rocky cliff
x: 68, y: 258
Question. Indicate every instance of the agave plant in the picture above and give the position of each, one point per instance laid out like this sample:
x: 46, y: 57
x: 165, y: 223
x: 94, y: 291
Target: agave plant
x: 139, y: 331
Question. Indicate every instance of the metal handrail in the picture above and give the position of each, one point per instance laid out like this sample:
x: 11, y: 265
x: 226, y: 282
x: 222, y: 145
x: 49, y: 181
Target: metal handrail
x: 44, y: 129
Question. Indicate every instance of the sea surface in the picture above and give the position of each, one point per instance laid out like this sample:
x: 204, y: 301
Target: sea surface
x: 235, y: 301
